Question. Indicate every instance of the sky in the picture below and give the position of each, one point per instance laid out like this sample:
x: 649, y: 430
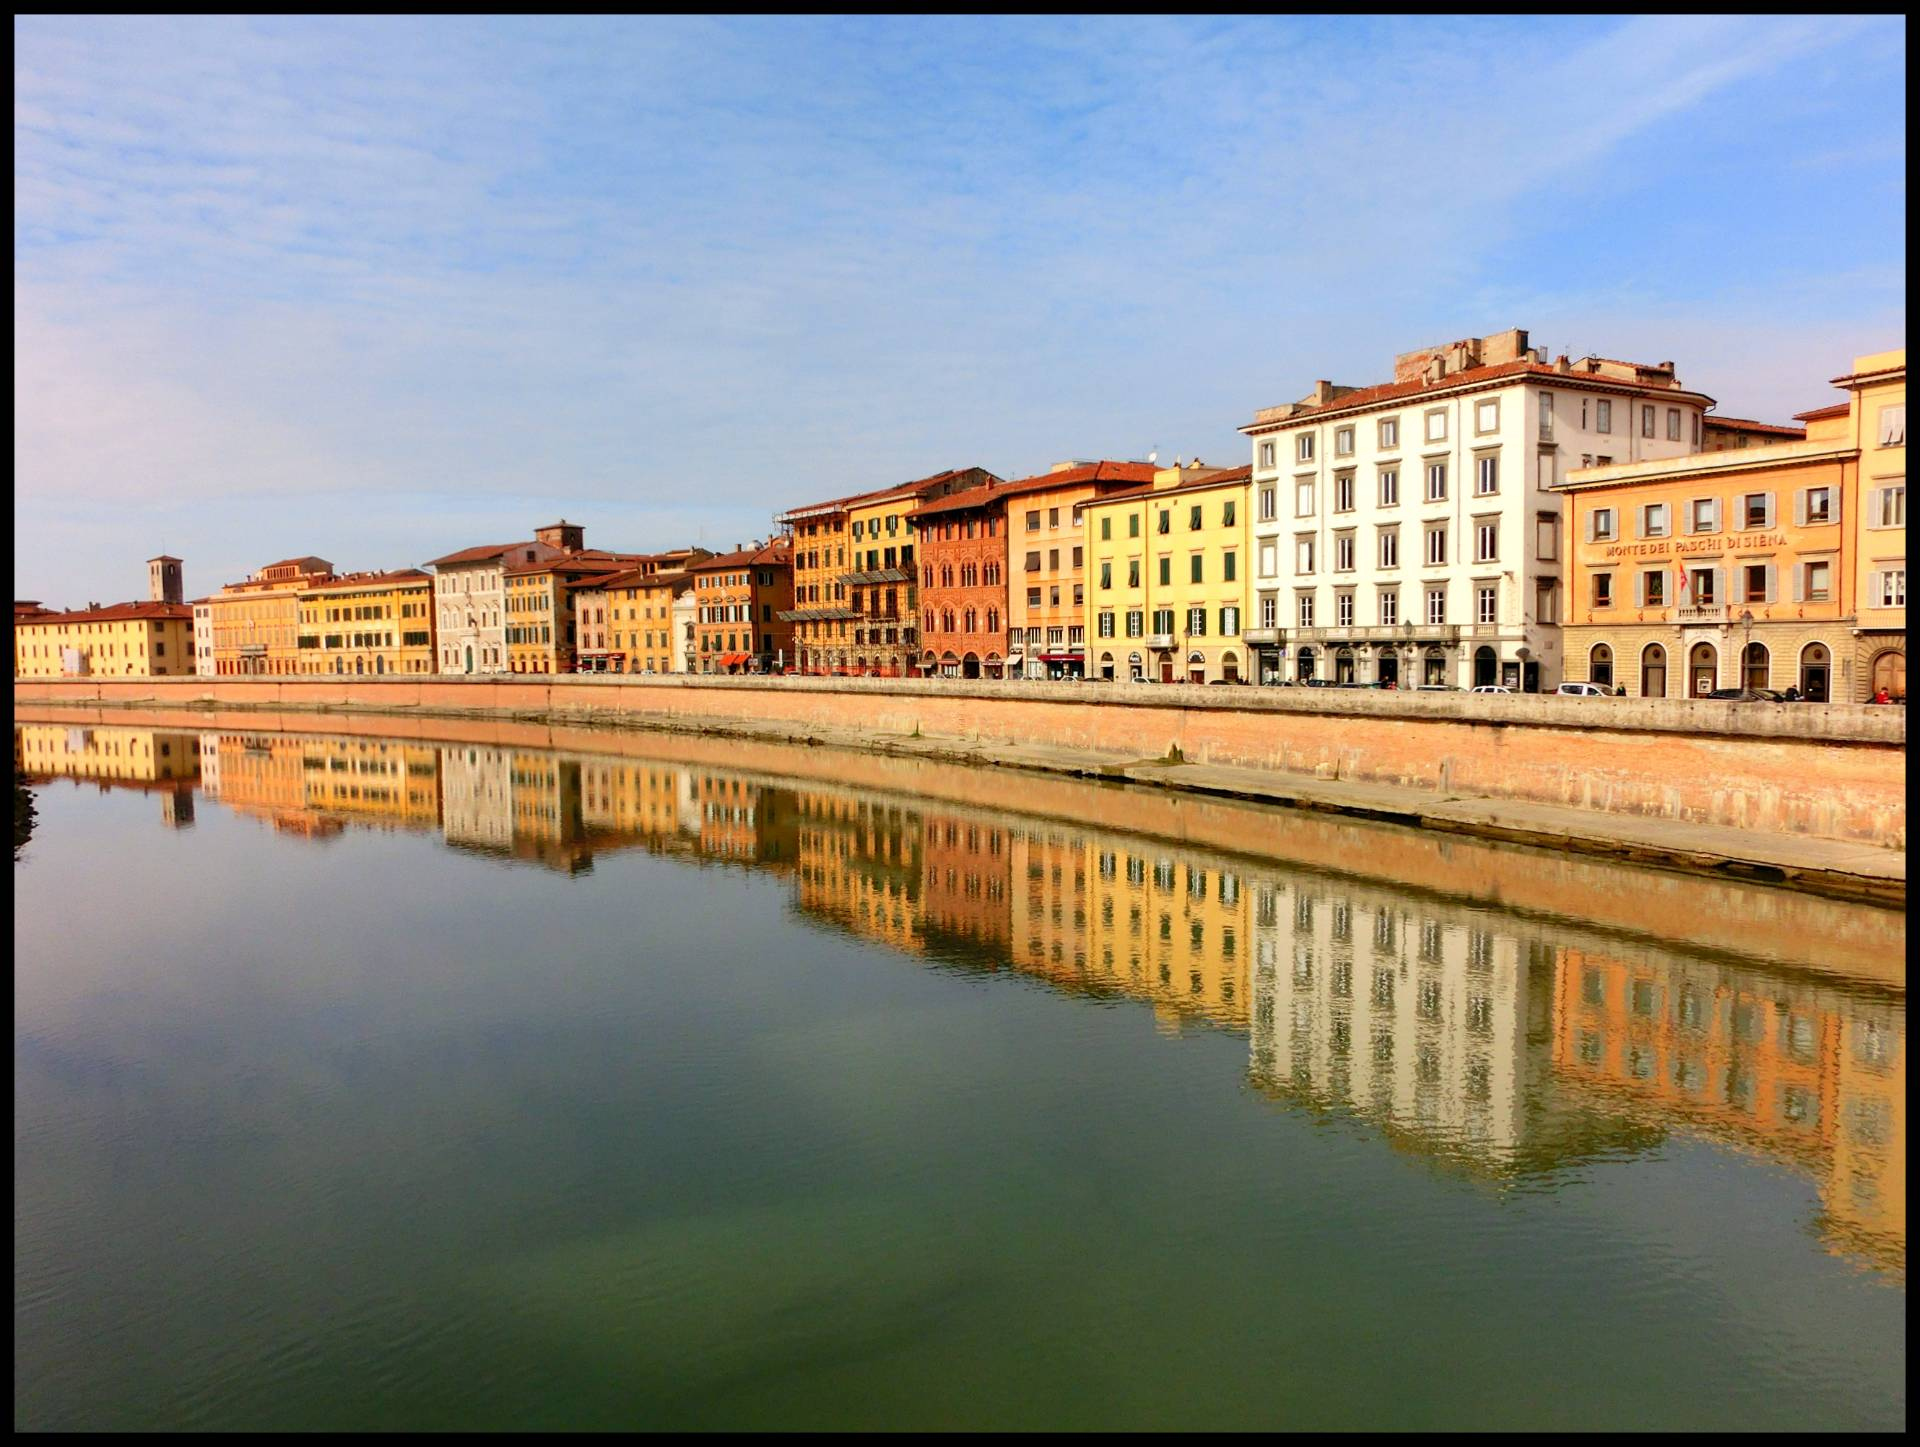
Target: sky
x: 378, y: 289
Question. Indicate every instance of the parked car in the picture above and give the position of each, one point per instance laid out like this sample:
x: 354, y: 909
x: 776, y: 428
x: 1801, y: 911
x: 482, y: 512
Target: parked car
x: 1747, y: 695
x: 1491, y: 688
x: 1436, y: 688
x: 1375, y: 683
x: 1316, y: 683
x: 1583, y: 690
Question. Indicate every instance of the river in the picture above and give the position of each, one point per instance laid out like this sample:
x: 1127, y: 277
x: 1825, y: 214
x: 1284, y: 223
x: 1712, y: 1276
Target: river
x: 545, y: 1079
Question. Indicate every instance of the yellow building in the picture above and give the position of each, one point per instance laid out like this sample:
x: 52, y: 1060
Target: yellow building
x: 1877, y: 425
x: 126, y: 640
x: 626, y: 622
x: 383, y: 781
x: 256, y: 624
x: 368, y: 623
x: 1167, y: 583
x: 114, y: 755
x: 859, y: 865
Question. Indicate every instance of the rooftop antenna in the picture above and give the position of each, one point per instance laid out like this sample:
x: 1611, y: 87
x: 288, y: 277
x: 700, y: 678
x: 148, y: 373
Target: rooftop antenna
x: 1153, y: 455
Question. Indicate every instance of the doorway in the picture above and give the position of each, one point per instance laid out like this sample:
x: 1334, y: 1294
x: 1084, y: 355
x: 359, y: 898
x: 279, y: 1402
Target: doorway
x: 1390, y: 669
x: 1703, y: 670
x: 1816, y: 673
x: 1485, y: 667
x: 1653, y: 671
x: 1166, y: 669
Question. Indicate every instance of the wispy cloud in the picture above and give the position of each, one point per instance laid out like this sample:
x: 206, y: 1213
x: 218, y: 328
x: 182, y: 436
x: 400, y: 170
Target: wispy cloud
x: 272, y: 277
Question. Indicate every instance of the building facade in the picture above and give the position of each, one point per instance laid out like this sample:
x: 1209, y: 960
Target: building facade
x: 203, y: 637
x: 1723, y: 434
x: 470, y: 596
x: 1763, y: 567
x: 368, y: 623
x: 855, y: 581
x: 1409, y: 533
x: 1167, y: 578
x: 1046, y: 563
x: 740, y: 598
x: 256, y: 624
x: 962, y: 540
x: 124, y: 640
x: 627, y: 622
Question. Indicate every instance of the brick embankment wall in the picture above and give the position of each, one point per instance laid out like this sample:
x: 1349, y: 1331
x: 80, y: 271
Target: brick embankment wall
x: 1820, y: 771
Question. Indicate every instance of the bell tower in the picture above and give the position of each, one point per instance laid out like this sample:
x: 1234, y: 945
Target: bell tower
x: 163, y: 580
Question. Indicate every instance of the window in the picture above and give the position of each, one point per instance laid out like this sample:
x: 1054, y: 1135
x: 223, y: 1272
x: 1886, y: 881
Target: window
x: 1343, y: 609
x: 1486, y: 603
x: 1757, y: 586
x: 1889, y: 508
x: 1655, y: 520
x: 1303, y: 447
x: 1106, y: 529
x: 1600, y: 525
x: 1053, y: 517
x: 1600, y: 665
x: 1389, y: 487
x: 1133, y: 572
x: 1436, y: 482
x: 1436, y: 606
x: 1703, y: 515
x: 1389, y: 433
x: 1104, y: 625
x: 1229, y: 567
x: 1133, y: 524
x: 1033, y: 561
x: 1817, y: 505
x: 1196, y: 622
x: 1306, y: 610
x: 1193, y: 518
x: 1033, y: 521
x: 1817, y: 584
x: 1892, y: 587
x: 1437, y: 425
x: 1266, y: 454
x: 1269, y: 559
x: 1646, y: 421
x: 1303, y: 499
x: 1704, y: 585
x: 1033, y: 597
x: 1343, y: 553
x: 1673, y: 424
x: 1437, y: 545
x: 1342, y: 493
x: 1389, y: 607
x: 1195, y: 569
x: 1486, y: 541
x: 1603, y: 416
x: 1230, y: 622
x: 1303, y: 555
x: 1389, y: 547
x: 1486, y: 417
x: 1893, y: 426
x: 1756, y: 510
x: 1267, y: 503
x: 1269, y: 611
x: 1696, y: 430
x: 1228, y: 512
x: 1343, y: 442
x: 1547, y: 537
x: 1165, y: 524
x: 1546, y: 414
x: 1546, y: 602
x: 1653, y: 588
x: 1486, y: 478
x: 1106, y: 575
x: 1166, y: 571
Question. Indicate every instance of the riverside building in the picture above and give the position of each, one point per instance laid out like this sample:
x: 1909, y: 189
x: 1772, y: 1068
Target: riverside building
x: 1167, y: 578
x: 1410, y: 532
x: 740, y: 599
x: 367, y: 623
x: 470, y: 596
x: 256, y: 623
x: 1764, y: 567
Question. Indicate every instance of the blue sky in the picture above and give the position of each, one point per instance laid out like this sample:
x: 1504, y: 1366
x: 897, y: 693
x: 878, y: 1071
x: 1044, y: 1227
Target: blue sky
x: 379, y: 289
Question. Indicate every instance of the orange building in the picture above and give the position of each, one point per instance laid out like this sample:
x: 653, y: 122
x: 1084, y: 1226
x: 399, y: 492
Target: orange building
x: 741, y: 600
x: 256, y: 623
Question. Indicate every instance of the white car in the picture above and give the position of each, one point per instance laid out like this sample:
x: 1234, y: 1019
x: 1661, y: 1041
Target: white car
x: 1491, y: 688
x: 1583, y: 690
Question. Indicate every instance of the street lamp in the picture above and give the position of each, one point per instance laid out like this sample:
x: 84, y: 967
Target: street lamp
x: 1746, y: 644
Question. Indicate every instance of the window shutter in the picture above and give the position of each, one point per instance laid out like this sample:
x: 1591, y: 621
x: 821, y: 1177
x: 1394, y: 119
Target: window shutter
x: 1800, y: 507
x: 1714, y: 525
x: 1799, y: 582
x: 1640, y: 588
x: 1770, y: 511
x: 1592, y: 524
x: 1773, y: 582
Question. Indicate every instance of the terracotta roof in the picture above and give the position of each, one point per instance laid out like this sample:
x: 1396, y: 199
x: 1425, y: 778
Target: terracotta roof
x: 484, y: 553
x: 775, y: 553
x: 918, y: 487
x: 371, y: 579
x: 637, y: 578
x: 299, y: 563
x: 573, y: 564
x: 1820, y: 414
x: 1471, y: 377
x: 1132, y: 472
x: 1208, y: 477
x: 116, y: 613
x: 1747, y: 424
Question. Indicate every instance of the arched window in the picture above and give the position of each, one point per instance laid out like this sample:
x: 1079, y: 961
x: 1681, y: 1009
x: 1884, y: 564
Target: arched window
x: 1600, y: 665
x: 1653, y: 671
x: 1890, y: 673
x: 1755, y: 666
x: 993, y: 620
x: 1703, y: 667
x: 1816, y: 673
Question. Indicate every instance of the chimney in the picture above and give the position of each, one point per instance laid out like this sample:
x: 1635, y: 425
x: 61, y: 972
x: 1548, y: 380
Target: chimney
x: 1322, y: 392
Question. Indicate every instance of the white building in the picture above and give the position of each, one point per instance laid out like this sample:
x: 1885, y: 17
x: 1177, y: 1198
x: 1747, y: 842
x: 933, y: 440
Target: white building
x: 685, y: 649
x: 470, y: 597
x: 203, y: 638
x: 1407, y: 532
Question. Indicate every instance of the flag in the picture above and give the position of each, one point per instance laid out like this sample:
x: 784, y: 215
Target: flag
x: 1683, y: 577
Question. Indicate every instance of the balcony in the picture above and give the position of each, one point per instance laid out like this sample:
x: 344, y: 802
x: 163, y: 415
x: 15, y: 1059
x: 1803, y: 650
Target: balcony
x: 1261, y: 637
x: 1399, y: 633
x: 1160, y: 640
x: 1702, y: 613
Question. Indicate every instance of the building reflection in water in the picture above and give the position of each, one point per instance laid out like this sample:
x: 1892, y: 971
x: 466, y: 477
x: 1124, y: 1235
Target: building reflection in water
x: 1508, y: 1047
